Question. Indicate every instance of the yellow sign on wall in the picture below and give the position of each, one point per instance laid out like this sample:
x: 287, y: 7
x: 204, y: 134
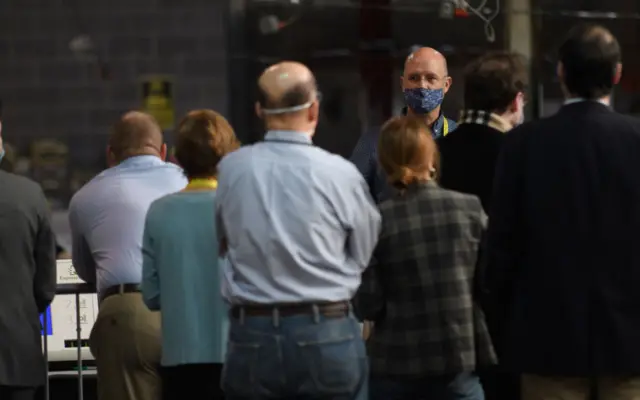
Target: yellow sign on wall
x: 157, y: 100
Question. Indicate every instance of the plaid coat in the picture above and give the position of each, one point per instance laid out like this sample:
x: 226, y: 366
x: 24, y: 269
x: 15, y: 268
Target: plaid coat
x: 419, y: 288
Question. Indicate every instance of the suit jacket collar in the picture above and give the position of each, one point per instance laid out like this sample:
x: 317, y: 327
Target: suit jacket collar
x: 587, y: 106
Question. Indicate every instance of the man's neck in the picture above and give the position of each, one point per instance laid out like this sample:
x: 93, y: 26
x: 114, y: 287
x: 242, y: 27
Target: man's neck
x: 606, y: 100
x: 298, y: 129
x: 429, y: 118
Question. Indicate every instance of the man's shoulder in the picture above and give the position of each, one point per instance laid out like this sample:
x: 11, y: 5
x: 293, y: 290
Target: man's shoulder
x: 236, y: 156
x: 18, y: 183
x: 336, y: 166
x: 453, y: 124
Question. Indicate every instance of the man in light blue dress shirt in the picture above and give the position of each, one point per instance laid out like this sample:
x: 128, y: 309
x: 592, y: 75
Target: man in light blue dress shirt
x: 298, y: 226
x: 107, y: 221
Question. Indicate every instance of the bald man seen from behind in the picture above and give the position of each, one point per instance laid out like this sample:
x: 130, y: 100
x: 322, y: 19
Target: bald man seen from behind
x: 425, y: 83
x: 298, y: 227
x: 107, y: 221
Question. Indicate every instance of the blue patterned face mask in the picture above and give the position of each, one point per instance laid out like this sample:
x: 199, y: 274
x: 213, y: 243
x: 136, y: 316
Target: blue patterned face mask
x: 1, y: 153
x: 423, y: 101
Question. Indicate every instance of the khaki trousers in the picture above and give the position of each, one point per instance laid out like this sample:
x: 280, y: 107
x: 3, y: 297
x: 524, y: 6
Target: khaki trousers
x: 125, y: 341
x: 556, y: 388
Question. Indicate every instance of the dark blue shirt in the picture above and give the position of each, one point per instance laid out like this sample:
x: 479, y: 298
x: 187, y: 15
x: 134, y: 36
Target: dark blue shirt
x: 365, y: 158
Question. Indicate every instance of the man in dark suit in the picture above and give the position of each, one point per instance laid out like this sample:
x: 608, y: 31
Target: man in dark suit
x: 27, y: 284
x: 494, y: 87
x: 562, y: 240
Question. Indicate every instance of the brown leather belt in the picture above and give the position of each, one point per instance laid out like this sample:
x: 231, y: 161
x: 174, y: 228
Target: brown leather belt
x: 329, y: 310
x: 119, y: 289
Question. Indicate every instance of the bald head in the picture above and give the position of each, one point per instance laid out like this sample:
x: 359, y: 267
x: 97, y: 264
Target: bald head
x: 427, y: 55
x: 136, y: 133
x: 286, y: 85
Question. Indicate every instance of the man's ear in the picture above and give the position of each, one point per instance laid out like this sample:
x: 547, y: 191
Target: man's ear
x: 163, y: 152
x: 618, y: 74
x: 447, y: 83
x: 314, y: 111
x: 258, y: 108
x: 560, y: 71
x: 111, y: 158
x: 401, y: 82
x: 513, y: 106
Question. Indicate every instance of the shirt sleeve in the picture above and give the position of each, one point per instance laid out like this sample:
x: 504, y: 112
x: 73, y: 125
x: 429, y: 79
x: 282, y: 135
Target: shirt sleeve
x: 81, y: 256
x: 221, y: 192
x: 365, y: 225
x: 44, y: 285
x: 150, y: 277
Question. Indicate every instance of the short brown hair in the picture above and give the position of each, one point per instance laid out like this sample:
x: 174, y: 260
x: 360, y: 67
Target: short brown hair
x: 406, y: 150
x: 590, y: 55
x: 493, y: 81
x: 203, y: 138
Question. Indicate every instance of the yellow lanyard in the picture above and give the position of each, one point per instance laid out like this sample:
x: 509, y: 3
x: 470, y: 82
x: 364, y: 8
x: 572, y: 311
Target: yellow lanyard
x: 445, y: 128
x: 210, y: 184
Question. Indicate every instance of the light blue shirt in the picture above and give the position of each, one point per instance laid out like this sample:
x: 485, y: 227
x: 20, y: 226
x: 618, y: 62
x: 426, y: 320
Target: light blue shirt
x: 300, y: 222
x: 107, y: 216
x: 181, y: 278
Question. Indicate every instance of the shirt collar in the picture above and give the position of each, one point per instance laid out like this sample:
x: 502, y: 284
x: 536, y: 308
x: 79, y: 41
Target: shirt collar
x: 582, y: 99
x: 288, y: 136
x: 141, y: 160
x: 437, y: 125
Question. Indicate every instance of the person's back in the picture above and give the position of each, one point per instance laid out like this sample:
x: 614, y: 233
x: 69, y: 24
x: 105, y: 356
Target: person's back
x: 181, y: 269
x: 298, y: 226
x: 561, y: 246
x: 295, y: 184
x: 27, y: 283
x: 580, y: 215
x: 115, y: 203
x: 107, y: 219
x: 429, y: 336
x: 182, y: 237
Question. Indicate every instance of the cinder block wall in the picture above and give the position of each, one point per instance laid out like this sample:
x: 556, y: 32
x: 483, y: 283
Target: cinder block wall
x: 47, y: 92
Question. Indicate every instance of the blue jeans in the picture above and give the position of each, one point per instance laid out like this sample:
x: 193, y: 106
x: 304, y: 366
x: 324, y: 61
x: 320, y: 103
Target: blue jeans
x: 463, y: 386
x: 296, y: 357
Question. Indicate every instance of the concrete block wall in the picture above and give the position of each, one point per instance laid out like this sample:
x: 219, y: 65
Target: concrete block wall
x: 47, y: 92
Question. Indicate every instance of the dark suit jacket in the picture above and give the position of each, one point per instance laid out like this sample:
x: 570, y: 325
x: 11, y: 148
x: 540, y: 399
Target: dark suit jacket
x: 419, y: 288
x: 563, y: 244
x: 468, y: 158
x: 27, y: 279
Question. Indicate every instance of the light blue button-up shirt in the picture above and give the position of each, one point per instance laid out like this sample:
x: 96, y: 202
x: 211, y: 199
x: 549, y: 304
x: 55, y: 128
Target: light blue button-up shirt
x: 181, y: 278
x: 107, y: 217
x: 299, y: 222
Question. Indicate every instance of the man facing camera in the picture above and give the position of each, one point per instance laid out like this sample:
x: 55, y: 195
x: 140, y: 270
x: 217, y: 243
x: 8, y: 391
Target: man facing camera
x: 425, y: 82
